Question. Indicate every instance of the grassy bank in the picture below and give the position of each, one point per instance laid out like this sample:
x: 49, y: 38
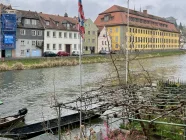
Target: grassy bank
x: 34, y: 63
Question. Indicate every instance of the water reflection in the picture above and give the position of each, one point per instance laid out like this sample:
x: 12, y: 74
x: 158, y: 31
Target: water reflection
x: 34, y: 89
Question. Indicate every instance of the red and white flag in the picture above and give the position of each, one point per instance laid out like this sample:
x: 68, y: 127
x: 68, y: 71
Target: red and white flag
x: 81, y: 19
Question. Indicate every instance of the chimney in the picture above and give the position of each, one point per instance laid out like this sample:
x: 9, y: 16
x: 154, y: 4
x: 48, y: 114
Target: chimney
x: 145, y: 12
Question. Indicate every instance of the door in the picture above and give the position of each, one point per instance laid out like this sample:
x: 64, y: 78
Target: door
x: 92, y: 50
x: 28, y: 53
x: 3, y: 53
x: 68, y: 50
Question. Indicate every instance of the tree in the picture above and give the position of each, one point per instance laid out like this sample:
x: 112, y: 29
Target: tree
x: 176, y: 24
x: 181, y: 27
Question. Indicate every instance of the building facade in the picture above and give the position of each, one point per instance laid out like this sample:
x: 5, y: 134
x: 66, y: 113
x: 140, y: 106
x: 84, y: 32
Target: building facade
x: 8, y: 31
x: 60, y: 33
x: 91, y: 38
x: 104, y: 41
x: 146, y: 32
x: 30, y: 34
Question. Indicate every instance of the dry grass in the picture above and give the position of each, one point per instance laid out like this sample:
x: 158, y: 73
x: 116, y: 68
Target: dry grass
x: 18, y: 66
x: 54, y: 63
x: 4, y: 67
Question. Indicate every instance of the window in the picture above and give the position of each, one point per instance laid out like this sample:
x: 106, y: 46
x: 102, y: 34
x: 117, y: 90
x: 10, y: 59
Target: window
x: 22, y: 52
x: 116, y: 45
x: 60, y: 47
x: 89, y: 40
x: 54, y: 46
x: 33, y: 33
x: 116, y: 29
x: 65, y: 35
x: 105, y: 42
x: 33, y: 22
x: 54, y: 34
x: 75, y: 47
x: 47, y: 22
x: 33, y: 43
x: 116, y: 38
x: 86, y: 48
x: 22, y: 42
x: 48, y: 33
x: 70, y: 35
x: 93, y: 32
x: 48, y: 46
x: 93, y: 40
x: 39, y: 33
x: 102, y: 42
x: 22, y: 32
x: 75, y: 35
x: 110, y: 30
x: 60, y: 35
x: 27, y: 21
x: 88, y: 32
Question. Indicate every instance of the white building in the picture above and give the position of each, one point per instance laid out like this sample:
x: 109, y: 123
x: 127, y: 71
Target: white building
x: 60, y: 33
x: 104, y: 40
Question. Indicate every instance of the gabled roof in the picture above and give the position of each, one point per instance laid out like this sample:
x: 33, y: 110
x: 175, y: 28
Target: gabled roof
x: 54, y: 19
x: 119, y: 17
x: 29, y: 15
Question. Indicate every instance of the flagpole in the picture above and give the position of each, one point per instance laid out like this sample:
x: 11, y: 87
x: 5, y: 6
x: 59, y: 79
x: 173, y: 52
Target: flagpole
x: 80, y: 74
x: 127, y: 52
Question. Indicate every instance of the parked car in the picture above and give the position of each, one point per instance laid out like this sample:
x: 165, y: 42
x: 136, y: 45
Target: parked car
x: 49, y: 54
x: 76, y: 53
x: 104, y: 52
x: 62, y: 53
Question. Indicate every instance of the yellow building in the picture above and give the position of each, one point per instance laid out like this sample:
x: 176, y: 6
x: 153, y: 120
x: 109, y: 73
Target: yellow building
x: 146, y: 32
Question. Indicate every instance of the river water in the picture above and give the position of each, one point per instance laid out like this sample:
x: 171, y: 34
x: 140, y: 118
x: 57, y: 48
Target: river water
x: 34, y: 89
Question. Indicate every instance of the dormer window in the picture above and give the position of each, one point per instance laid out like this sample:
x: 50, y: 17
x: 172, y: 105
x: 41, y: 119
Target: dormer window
x: 47, y: 22
x: 68, y: 26
x: 57, y: 23
x: 106, y: 18
x: 27, y: 21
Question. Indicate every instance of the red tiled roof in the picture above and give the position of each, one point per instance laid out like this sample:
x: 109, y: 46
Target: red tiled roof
x: 119, y: 15
x: 57, y: 18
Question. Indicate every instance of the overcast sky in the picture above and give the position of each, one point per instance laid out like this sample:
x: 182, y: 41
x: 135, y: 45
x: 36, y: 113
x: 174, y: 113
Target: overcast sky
x: 163, y: 8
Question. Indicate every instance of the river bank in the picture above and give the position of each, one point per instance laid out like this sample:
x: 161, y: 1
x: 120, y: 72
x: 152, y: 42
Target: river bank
x: 35, y: 63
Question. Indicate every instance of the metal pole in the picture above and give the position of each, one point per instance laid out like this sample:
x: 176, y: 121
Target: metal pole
x: 0, y: 32
x: 127, y: 53
x: 80, y: 74
x: 59, y: 122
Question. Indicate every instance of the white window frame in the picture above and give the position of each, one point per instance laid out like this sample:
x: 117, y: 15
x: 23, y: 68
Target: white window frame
x: 60, y: 46
x: 48, y: 47
x: 47, y: 22
x: 22, y: 32
x: 75, y: 35
x: 54, y: 46
x: 22, y: 52
x: 60, y: 36
x: 70, y: 35
x: 75, y: 47
x: 34, y: 22
x: 47, y: 33
x: 27, y: 21
x: 39, y: 33
x: 54, y: 34
x: 33, y: 32
x: 66, y: 35
x: 22, y: 43
x: 33, y: 43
